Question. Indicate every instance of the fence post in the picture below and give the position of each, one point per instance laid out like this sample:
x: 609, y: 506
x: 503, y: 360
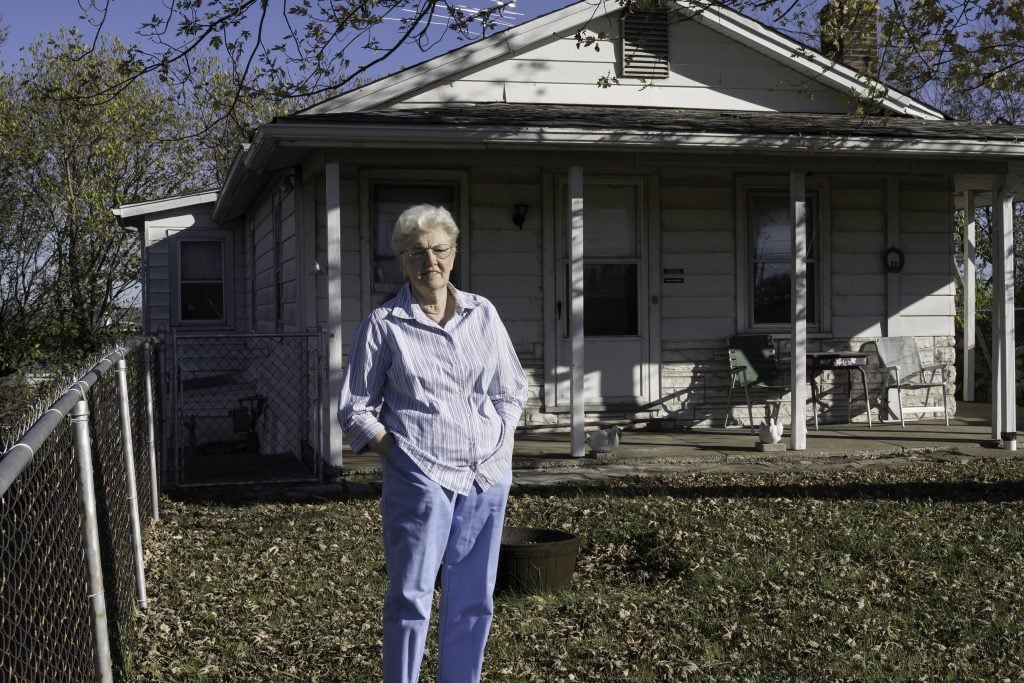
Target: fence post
x: 147, y: 374
x: 129, y: 475
x: 90, y: 530
x: 173, y: 455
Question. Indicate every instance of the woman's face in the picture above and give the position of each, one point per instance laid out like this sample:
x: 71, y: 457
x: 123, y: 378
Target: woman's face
x: 427, y: 261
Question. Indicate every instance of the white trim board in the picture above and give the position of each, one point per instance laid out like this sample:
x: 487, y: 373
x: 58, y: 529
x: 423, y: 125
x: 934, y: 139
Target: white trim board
x: 482, y: 137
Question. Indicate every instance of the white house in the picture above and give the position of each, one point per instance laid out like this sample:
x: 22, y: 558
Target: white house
x: 623, y: 230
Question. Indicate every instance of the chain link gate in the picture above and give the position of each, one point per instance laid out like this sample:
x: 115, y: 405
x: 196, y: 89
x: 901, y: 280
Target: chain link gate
x: 245, y: 408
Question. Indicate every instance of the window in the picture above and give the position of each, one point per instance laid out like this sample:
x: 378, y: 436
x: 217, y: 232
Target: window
x: 387, y: 201
x: 766, y: 251
x: 202, y: 293
x: 610, y: 294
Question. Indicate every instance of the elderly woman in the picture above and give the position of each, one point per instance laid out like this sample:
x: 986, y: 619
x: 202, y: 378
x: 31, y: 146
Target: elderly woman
x: 434, y: 386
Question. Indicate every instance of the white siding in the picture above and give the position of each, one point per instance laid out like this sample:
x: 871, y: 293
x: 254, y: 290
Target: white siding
x: 708, y: 71
x: 505, y: 261
x: 276, y: 248
x: 927, y: 284
x: 264, y: 299
x: 159, y: 230
x: 698, y: 236
x: 290, y: 309
x: 858, y: 242
x: 315, y: 185
x: 351, y: 261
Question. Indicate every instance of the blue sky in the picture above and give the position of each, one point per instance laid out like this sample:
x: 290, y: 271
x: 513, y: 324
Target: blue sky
x: 29, y: 19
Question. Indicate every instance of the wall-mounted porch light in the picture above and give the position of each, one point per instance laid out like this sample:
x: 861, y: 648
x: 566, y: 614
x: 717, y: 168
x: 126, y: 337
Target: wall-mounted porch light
x: 519, y: 214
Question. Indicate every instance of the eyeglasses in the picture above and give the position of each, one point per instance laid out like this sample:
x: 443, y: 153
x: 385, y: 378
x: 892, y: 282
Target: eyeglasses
x: 440, y: 252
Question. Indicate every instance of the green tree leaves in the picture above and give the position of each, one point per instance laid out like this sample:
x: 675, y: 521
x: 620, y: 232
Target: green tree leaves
x: 69, y: 270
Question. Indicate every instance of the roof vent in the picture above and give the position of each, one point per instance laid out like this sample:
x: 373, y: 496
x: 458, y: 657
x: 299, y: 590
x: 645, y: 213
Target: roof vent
x: 645, y: 45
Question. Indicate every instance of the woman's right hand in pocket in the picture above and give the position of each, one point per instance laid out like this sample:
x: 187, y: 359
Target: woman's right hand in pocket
x: 382, y: 443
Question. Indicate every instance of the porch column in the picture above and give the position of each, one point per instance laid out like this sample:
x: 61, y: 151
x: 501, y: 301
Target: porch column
x: 1004, y: 357
x: 970, y: 282
x: 798, y: 314
x: 332, y: 199
x: 576, y: 309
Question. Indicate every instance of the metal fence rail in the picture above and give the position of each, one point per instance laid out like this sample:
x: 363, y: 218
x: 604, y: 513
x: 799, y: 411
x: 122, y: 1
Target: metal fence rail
x: 75, y: 491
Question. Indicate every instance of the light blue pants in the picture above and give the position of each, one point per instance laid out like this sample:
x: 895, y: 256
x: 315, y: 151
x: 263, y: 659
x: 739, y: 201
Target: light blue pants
x: 425, y: 526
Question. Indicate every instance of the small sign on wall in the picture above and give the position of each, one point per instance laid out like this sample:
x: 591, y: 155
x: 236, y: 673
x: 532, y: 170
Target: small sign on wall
x: 672, y: 275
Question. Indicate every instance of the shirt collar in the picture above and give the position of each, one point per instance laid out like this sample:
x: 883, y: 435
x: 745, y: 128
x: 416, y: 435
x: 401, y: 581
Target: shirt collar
x: 405, y: 303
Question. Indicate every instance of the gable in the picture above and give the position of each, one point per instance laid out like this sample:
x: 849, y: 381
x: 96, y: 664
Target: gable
x: 719, y: 60
x: 707, y: 70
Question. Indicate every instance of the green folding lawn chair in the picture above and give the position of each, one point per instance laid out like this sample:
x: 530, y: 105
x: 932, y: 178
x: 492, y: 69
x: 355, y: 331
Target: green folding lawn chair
x: 754, y: 364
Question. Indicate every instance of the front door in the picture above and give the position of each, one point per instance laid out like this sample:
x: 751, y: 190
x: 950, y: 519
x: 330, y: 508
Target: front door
x: 615, y: 291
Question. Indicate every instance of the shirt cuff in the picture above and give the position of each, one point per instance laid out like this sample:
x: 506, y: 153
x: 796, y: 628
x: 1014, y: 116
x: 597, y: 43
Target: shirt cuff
x: 509, y: 414
x: 360, y: 430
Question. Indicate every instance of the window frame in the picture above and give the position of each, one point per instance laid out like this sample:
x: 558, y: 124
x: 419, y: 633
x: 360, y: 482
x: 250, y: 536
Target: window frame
x: 372, y: 293
x: 227, y: 282
x: 819, y: 189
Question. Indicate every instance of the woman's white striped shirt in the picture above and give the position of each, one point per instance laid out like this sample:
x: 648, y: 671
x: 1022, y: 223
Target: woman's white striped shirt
x: 451, y: 396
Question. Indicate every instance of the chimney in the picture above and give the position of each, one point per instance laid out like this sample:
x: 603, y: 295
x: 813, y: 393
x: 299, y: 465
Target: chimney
x: 849, y: 33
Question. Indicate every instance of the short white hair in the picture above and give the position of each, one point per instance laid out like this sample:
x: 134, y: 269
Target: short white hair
x: 422, y: 218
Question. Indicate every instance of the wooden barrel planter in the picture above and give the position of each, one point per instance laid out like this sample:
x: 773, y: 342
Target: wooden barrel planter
x: 536, y: 560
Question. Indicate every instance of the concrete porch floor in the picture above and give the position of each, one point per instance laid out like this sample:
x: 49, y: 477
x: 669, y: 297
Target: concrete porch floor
x: 544, y: 458
x: 969, y: 428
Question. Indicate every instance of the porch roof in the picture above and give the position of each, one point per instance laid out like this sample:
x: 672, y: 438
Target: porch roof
x: 667, y: 120
x: 501, y: 126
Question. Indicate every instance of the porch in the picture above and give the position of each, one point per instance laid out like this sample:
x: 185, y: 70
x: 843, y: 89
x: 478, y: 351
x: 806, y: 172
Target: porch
x: 708, y: 449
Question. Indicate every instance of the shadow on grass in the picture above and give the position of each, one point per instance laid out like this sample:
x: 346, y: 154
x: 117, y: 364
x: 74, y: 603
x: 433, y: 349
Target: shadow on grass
x: 1004, y: 491
x: 297, y: 494
x: 995, y: 492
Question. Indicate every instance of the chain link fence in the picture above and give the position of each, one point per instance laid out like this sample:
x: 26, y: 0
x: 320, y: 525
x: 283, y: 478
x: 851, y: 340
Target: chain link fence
x: 983, y: 355
x: 76, y: 491
x: 246, y: 408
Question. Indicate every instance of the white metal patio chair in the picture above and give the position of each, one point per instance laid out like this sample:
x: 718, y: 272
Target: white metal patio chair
x: 900, y: 358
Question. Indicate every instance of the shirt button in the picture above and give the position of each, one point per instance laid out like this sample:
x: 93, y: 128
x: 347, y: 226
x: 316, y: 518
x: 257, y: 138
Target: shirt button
x: 473, y: 467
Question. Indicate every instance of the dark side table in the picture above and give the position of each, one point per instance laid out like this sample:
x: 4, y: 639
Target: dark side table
x: 821, y: 361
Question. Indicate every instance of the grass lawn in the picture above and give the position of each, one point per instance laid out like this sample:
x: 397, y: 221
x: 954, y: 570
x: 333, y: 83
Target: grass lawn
x: 909, y: 573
